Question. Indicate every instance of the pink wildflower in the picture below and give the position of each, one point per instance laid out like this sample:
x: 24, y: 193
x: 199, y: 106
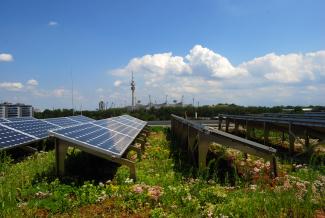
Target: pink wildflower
x: 137, y: 188
x: 155, y: 192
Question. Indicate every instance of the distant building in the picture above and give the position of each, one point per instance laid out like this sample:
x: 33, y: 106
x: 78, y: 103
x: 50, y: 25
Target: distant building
x: 15, y: 110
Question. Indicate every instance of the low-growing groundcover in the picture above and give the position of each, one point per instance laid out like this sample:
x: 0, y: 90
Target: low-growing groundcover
x: 29, y: 188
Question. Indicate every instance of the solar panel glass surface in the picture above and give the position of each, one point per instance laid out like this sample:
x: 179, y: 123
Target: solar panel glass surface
x: 11, y: 138
x: 3, y: 120
x: 37, y: 128
x: 114, y: 125
x: 98, y: 137
x: 62, y: 121
x: 81, y: 119
x: 133, y: 119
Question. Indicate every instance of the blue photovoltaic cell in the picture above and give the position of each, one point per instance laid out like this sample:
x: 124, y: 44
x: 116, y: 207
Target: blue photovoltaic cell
x: 81, y: 119
x: 10, y: 138
x: 135, y: 120
x: 114, y: 125
x: 62, y: 121
x: 37, y: 128
x: 16, y: 119
x: 91, y: 135
x: 3, y: 120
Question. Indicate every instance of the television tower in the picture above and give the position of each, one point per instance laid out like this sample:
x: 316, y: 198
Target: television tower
x: 132, y: 89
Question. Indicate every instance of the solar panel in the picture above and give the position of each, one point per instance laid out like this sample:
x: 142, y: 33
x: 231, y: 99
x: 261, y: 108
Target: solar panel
x: 62, y: 121
x: 113, y: 125
x: 109, y: 136
x: 133, y: 119
x: 16, y: 119
x: 3, y: 120
x: 37, y: 128
x: 11, y: 138
x: 81, y: 119
x: 97, y: 137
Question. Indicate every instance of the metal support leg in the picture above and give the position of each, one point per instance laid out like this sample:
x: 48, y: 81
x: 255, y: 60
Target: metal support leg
x: 203, y: 151
x: 248, y: 130
x: 220, y: 123
x: 60, y: 154
x: 292, y: 139
x: 266, y: 133
x: 236, y: 127
x: 227, y: 124
x: 306, y: 138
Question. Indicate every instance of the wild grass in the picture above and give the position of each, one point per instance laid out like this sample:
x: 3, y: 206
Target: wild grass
x: 166, y: 186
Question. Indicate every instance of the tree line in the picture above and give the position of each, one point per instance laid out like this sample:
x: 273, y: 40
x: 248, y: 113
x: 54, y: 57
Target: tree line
x: 207, y: 111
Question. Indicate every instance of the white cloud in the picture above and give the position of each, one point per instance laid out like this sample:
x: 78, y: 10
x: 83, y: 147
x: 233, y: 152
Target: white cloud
x: 203, y: 59
x: 12, y: 86
x: 212, y: 78
x: 53, y: 23
x: 159, y: 64
x: 5, y: 57
x: 32, y: 82
x: 290, y: 68
x: 117, y: 83
x: 60, y: 92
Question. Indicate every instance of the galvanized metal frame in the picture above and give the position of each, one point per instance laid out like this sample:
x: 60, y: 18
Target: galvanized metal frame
x: 191, y: 136
x: 295, y: 127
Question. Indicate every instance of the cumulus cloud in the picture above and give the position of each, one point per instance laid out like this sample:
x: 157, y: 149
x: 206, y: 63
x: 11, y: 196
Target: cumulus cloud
x: 202, y: 59
x: 12, y: 86
x: 211, y: 76
x: 53, y: 23
x: 290, y: 68
x: 117, y: 83
x: 5, y: 57
x: 32, y: 82
x: 60, y: 92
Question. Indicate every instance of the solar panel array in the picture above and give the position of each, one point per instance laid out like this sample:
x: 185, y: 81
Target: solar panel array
x: 17, y: 131
x: 109, y: 136
x: 37, y: 128
x: 10, y: 138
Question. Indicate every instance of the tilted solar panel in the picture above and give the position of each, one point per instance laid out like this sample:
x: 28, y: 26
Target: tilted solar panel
x: 11, y: 138
x: 37, y: 128
x: 81, y: 119
x: 62, y: 121
x: 133, y: 119
x: 96, y: 137
x: 114, y: 125
x: 3, y: 120
x: 17, y: 119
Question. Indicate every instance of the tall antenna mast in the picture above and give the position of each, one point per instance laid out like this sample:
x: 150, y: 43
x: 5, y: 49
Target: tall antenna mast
x: 132, y: 89
x: 72, y: 100
x: 166, y: 99
x: 150, y: 101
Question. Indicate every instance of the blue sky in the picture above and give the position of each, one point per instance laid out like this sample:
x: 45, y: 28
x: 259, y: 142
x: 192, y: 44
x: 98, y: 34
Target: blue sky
x: 244, y: 52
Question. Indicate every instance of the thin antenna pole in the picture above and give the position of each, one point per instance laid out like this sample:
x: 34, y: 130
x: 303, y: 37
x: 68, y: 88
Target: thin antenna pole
x: 72, y: 100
